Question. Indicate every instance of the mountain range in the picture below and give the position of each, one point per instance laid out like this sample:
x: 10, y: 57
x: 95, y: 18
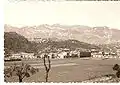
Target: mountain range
x: 57, y: 32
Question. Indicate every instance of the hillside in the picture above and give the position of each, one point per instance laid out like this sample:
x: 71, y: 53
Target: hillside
x: 17, y: 43
x: 69, y: 44
x: 14, y: 42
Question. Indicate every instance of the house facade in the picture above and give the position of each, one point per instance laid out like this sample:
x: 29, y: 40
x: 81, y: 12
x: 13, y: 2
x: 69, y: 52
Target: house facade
x: 23, y: 55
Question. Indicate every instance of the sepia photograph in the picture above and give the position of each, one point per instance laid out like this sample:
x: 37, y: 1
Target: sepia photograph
x: 64, y: 42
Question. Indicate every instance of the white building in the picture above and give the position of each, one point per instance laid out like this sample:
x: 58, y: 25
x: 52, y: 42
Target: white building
x: 61, y: 55
x: 17, y: 55
x: 96, y: 54
x: 23, y: 55
x: 75, y: 53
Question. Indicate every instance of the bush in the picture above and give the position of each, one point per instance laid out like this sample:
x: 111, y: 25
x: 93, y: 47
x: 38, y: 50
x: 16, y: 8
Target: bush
x: 118, y: 74
x: 116, y: 67
x: 33, y: 71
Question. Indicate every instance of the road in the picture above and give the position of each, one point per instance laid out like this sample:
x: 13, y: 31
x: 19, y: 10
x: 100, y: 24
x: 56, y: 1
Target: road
x: 69, y: 70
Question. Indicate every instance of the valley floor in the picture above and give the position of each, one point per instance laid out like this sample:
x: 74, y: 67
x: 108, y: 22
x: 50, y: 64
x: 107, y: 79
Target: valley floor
x: 68, y: 70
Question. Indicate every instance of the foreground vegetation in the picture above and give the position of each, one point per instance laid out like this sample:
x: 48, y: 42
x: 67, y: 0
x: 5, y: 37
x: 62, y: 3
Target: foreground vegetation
x: 69, y: 70
x: 21, y: 71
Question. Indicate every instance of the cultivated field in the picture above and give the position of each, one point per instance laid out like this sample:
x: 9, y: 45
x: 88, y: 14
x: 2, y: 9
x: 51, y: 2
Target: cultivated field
x: 68, y: 70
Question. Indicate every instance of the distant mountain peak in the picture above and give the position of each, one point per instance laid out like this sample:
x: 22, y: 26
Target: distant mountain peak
x: 92, y: 35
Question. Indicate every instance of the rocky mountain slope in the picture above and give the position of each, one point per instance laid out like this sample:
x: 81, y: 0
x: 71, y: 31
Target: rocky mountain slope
x: 92, y: 35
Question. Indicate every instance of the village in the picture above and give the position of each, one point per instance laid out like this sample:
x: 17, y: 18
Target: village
x: 66, y: 53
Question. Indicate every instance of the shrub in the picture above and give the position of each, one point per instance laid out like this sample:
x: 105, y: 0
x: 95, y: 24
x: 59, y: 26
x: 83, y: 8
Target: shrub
x: 116, y: 67
x: 118, y: 74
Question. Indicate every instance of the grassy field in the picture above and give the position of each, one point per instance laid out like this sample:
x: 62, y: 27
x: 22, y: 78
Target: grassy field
x: 68, y: 70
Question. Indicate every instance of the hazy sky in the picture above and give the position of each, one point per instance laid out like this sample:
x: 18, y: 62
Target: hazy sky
x: 68, y: 13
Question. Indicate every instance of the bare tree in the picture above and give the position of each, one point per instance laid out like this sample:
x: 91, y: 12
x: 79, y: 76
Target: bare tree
x: 47, y: 66
x: 21, y: 71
